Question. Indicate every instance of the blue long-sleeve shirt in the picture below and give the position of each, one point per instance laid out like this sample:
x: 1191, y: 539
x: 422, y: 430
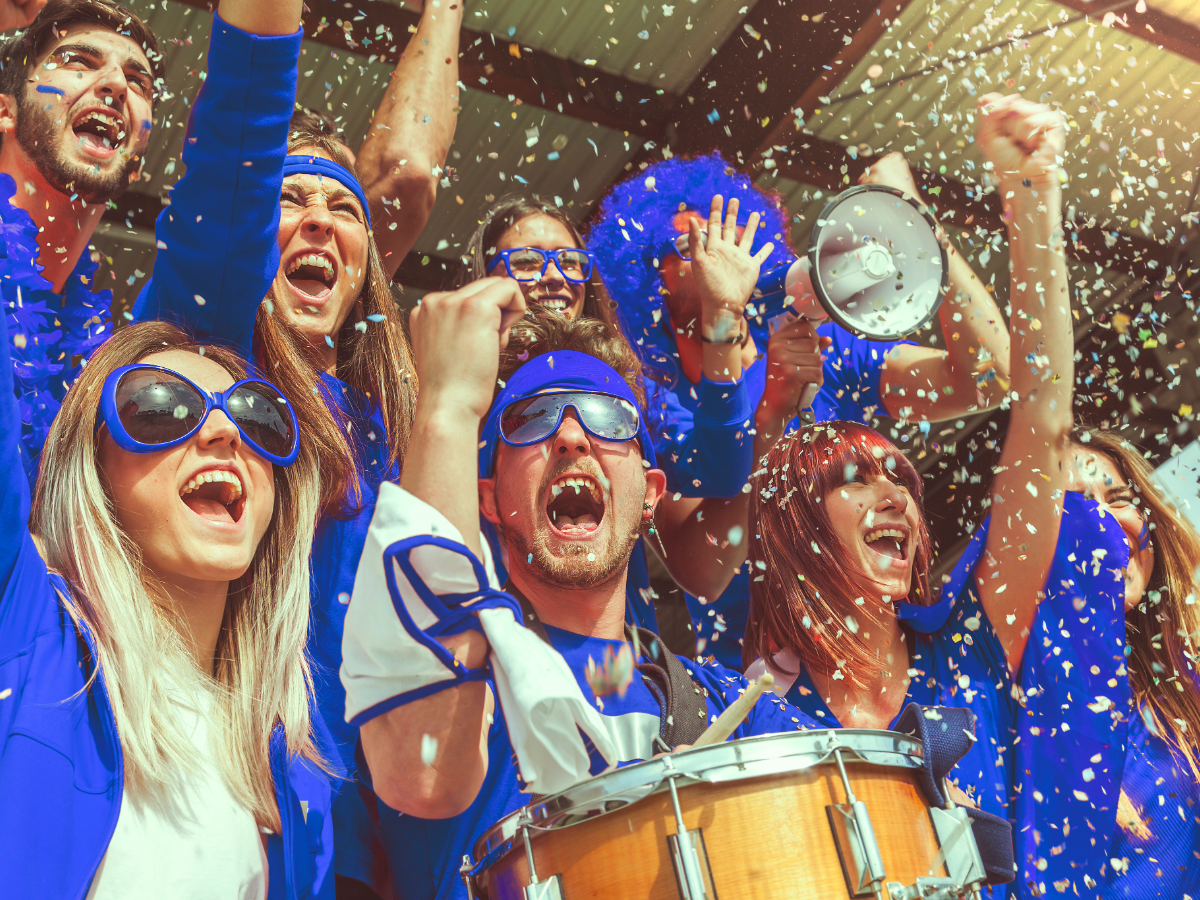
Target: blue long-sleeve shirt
x: 219, y: 243
x: 61, y: 765
x: 850, y: 392
x: 1084, y: 742
x: 701, y: 435
x: 219, y: 239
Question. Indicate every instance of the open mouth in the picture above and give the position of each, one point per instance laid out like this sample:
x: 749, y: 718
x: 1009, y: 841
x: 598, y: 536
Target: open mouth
x: 99, y: 131
x: 575, y: 506
x: 312, y: 276
x: 215, y: 495
x: 888, y: 542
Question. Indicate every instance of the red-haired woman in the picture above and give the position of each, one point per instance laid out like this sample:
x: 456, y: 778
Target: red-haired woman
x: 841, y: 607
x: 1099, y: 761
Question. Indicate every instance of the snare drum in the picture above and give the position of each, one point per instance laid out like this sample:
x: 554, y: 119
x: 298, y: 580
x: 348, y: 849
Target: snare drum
x: 818, y: 814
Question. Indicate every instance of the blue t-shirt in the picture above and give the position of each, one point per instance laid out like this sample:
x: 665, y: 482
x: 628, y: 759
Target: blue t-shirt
x: 1083, y: 741
x: 955, y: 659
x: 850, y: 392
x: 425, y: 854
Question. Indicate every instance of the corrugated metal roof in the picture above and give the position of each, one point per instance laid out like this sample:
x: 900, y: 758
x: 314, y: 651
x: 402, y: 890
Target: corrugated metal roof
x: 1130, y: 104
x: 664, y: 44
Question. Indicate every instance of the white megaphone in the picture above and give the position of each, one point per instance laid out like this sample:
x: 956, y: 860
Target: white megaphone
x: 874, y: 266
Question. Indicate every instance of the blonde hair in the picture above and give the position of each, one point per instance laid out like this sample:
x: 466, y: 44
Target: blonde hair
x: 261, y: 674
x: 1163, y: 630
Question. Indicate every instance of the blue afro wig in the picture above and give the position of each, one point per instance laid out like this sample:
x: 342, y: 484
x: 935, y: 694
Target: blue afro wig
x: 635, y: 222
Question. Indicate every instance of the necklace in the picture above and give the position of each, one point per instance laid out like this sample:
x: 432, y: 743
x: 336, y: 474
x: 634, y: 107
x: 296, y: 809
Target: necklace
x: 51, y: 333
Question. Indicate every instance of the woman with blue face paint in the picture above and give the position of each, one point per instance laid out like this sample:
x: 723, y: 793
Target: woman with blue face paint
x: 268, y: 211
x: 155, y: 734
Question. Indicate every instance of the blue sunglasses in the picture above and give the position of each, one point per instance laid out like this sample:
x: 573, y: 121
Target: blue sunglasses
x: 148, y: 408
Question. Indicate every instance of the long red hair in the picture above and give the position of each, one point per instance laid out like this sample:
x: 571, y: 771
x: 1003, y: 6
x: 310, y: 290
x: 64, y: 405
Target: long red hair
x: 806, y: 595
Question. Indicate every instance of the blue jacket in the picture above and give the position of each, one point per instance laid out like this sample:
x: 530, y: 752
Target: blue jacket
x: 219, y: 243
x: 61, y: 767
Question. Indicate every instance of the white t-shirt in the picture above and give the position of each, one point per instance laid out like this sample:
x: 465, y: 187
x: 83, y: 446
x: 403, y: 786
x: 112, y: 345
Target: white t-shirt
x: 197, y: 843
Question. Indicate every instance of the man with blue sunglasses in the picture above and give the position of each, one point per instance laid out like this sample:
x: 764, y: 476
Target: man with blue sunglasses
x: 462, y: 710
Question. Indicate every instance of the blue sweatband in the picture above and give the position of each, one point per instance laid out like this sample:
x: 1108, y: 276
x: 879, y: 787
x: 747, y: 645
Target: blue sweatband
x: 562, y: 370
x: 319, y: 165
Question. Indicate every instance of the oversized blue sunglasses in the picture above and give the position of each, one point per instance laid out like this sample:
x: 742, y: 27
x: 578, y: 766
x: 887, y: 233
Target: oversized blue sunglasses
x: 533, y: 419
x: 531, y: 263
x: 149, y: 408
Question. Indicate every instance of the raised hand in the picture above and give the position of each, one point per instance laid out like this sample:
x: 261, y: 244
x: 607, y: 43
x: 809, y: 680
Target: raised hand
x: 1023, y: 141
x: 724, y: 269
x: 457, y: 337
x: 19, y: 13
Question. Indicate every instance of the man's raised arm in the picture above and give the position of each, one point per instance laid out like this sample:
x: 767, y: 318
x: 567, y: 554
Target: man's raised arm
x: 403, y: 154
x: 427, y: 755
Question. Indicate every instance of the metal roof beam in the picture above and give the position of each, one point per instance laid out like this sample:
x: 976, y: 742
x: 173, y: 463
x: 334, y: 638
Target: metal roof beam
x: 784, y: 50
x: 495, y: 65
x: 1155, y: 27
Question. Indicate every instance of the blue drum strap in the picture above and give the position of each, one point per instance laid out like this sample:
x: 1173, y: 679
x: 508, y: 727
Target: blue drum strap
x: 946, y: 734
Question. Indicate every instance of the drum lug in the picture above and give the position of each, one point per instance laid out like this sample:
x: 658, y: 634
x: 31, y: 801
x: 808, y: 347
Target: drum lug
x: 929, y: 889
x: 546, y: 889
x: 964, y: 865
x: 869, y: 874
x: 465, y: 870
x: 539, y: 888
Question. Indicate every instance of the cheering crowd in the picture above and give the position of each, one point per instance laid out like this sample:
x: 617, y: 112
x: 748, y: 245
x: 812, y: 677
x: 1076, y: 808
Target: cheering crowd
x: 299, y: 596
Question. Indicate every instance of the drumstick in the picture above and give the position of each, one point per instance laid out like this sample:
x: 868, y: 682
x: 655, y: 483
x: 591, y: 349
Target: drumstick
x: 729, y: 720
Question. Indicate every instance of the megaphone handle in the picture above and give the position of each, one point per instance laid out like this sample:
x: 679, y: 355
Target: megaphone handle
x: 809, y: 395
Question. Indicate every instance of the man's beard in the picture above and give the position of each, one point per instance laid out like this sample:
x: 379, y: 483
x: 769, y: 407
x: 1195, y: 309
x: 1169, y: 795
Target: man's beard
x: 573, y: 569
x: 37, y: 134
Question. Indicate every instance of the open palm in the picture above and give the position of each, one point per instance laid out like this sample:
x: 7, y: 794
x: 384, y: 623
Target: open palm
x: 724, y: 269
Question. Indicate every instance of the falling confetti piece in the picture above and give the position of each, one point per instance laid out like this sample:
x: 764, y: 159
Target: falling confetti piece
x: 614, y: 675
x: 429, y: 748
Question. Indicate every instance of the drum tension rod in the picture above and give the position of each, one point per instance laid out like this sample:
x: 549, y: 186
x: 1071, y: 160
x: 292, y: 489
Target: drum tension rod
x: 687, y: 859
x: 866, y: 832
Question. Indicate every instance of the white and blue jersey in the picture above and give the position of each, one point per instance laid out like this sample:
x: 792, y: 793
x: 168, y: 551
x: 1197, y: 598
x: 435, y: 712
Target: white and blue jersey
x: 425, y: 854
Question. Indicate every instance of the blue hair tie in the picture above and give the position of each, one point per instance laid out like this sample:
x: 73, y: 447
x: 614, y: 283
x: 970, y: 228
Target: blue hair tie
x: 319, y: 165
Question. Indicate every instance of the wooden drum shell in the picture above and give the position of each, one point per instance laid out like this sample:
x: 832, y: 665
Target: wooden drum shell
x: 767, y: 838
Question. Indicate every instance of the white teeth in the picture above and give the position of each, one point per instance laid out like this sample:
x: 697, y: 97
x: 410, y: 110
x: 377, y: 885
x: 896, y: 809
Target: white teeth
x: 215, y: 475
x: 579, y: 482
x: 311, y: 259
x: 884, y: 533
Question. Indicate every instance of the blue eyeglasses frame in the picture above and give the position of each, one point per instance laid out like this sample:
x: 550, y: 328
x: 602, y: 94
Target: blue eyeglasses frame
x: 549, y: 256
x: 110, y: 416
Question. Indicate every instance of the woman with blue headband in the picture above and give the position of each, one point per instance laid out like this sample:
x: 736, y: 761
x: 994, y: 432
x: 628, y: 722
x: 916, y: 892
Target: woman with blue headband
x: 269, y: 211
